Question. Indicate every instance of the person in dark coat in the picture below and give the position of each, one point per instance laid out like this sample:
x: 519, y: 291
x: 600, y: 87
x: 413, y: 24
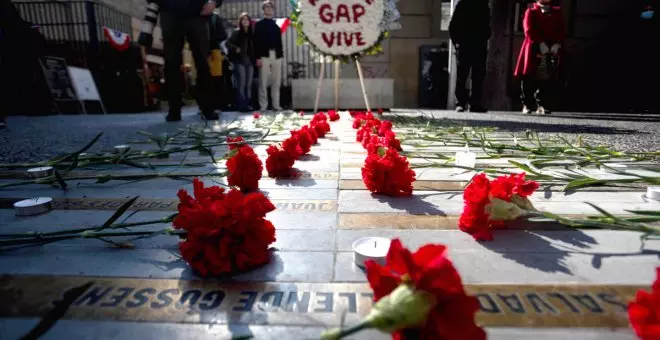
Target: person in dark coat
x: 470, y: 31
x: 241, y: 44
x: 544, y: 35
x: 181, y: 21
x: 643, y: 56
x: 269, y: 52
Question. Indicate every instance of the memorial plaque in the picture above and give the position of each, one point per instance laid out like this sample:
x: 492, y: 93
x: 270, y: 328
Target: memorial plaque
x: 301, y: 304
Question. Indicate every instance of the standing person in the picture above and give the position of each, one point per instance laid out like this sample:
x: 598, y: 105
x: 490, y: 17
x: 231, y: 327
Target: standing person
x: 181, y: 21
x: 241, y: 44
x: 544, y: 36
x: 470, y: 31
x: 269, y: 53
x: 644, y: 53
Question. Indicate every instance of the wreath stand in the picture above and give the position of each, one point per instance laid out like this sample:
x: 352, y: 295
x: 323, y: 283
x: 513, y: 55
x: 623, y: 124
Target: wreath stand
x: 319, y: 84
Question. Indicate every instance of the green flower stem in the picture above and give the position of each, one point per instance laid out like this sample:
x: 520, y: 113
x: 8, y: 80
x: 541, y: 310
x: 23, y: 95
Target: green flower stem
x: 167, y: 219
x: 599, y: 222
x: 87, y: 234
x: 337, y: 333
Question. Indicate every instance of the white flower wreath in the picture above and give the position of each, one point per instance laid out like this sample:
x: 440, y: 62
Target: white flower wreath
x: 343, y: 37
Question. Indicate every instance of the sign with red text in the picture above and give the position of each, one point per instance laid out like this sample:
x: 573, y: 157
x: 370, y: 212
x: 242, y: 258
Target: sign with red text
x: 341, y: 27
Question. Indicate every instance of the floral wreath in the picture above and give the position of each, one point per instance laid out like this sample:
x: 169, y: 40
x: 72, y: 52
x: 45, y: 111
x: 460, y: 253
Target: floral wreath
x: 389, y: 22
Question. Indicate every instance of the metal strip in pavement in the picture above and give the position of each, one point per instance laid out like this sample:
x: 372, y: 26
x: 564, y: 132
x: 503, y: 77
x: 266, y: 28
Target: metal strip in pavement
x: 166, y: 204
x: 180, y: 301
x: 404, y: 221
x: 182, y: 172
x: 425, y: 185
x: 358, y: 184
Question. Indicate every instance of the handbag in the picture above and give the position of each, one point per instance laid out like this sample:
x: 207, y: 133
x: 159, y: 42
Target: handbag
x: 215, y: 62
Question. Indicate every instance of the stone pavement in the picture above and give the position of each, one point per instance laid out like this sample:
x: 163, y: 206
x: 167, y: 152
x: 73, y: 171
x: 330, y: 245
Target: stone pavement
x: 539, y: 282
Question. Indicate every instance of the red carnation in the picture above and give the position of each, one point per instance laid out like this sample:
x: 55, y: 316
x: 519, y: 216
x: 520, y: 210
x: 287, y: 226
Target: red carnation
x: 391, y: 141
x: 304, y: 139
x: 644, y: 312
x: 475, y: 219
x: 319, y: 117
x: 226, y: 233
x: 385, y: 127
x: 245, y: 169
x: 380, y: 111
x: 333, y: 115
x: 256, y: 115
x: 321, y: 128
x: 301, y: 113
x: 313, y: 134
x: 452, y: 313
x: 281, y: 158
x: 357, y: 123
x: 235, y: 142
x: 374, y: 145
x: 292, y: 146
x: 388, y: 173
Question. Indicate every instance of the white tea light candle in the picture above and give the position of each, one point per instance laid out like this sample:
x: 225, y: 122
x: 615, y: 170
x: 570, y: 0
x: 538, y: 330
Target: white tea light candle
x: 370, y: 248
x: 33, y: 206
x: 40, y: 172
x: 121, y: 148
x: 466, y: 158
x: 653, y: 193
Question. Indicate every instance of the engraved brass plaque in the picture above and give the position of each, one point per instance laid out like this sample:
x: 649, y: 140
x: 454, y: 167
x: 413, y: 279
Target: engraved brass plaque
x: 303, y: 304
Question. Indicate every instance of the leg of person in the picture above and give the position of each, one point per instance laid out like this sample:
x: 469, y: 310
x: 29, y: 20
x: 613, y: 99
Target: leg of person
x: 197, y: 34
x: 463, y: 65
x: 264, y: 76
x: 173, y: 40
x: 241, y: 81
x: 541, y: 95
x: 249, y: 76
x: 527, y: 90
x: 277, y: 81
x: 479, y: 57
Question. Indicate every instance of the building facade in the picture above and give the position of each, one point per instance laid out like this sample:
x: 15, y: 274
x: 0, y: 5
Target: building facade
x: 416, y: 57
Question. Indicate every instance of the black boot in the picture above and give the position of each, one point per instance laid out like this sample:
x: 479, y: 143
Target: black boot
x: 173, y: 116
x: 210, y: 115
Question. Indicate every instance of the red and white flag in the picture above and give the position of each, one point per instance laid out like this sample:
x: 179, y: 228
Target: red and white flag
x: 117, y: 39
x: 282, y: 22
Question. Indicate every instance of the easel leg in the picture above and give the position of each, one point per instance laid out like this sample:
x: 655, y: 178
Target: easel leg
x: 364, y: 90
x: 337, y: 85
x: 318, y: 86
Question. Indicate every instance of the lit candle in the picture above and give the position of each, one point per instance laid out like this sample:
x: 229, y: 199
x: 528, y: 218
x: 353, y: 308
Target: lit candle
x: 40, y: 172
x: 370, y: 248
x: 653, y: 193
x: 33, y: 206
x: 466, y: 158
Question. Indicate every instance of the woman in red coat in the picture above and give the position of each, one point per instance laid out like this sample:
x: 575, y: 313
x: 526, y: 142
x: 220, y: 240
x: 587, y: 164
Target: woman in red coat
x: 544, y: 35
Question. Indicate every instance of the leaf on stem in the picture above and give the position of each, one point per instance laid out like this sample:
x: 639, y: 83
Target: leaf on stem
x: 644, y: 212
x: 584, y: 182
x: 119, y: 212
x: 527, y: 168
x: 602, y: 211
x: 77, y: 153
x: 60, y: 180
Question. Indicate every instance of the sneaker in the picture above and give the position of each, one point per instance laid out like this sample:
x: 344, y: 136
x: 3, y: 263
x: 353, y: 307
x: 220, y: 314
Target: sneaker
x: 478, y: 109
x: 542, y: 111
x: 460, y: 108
x: 277, y: 109
x: 526, y: 110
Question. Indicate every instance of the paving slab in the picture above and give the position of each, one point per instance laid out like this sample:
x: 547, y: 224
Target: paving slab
x: 534, y: 281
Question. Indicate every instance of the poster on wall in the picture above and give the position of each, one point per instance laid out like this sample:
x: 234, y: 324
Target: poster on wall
x: 85, y: 87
